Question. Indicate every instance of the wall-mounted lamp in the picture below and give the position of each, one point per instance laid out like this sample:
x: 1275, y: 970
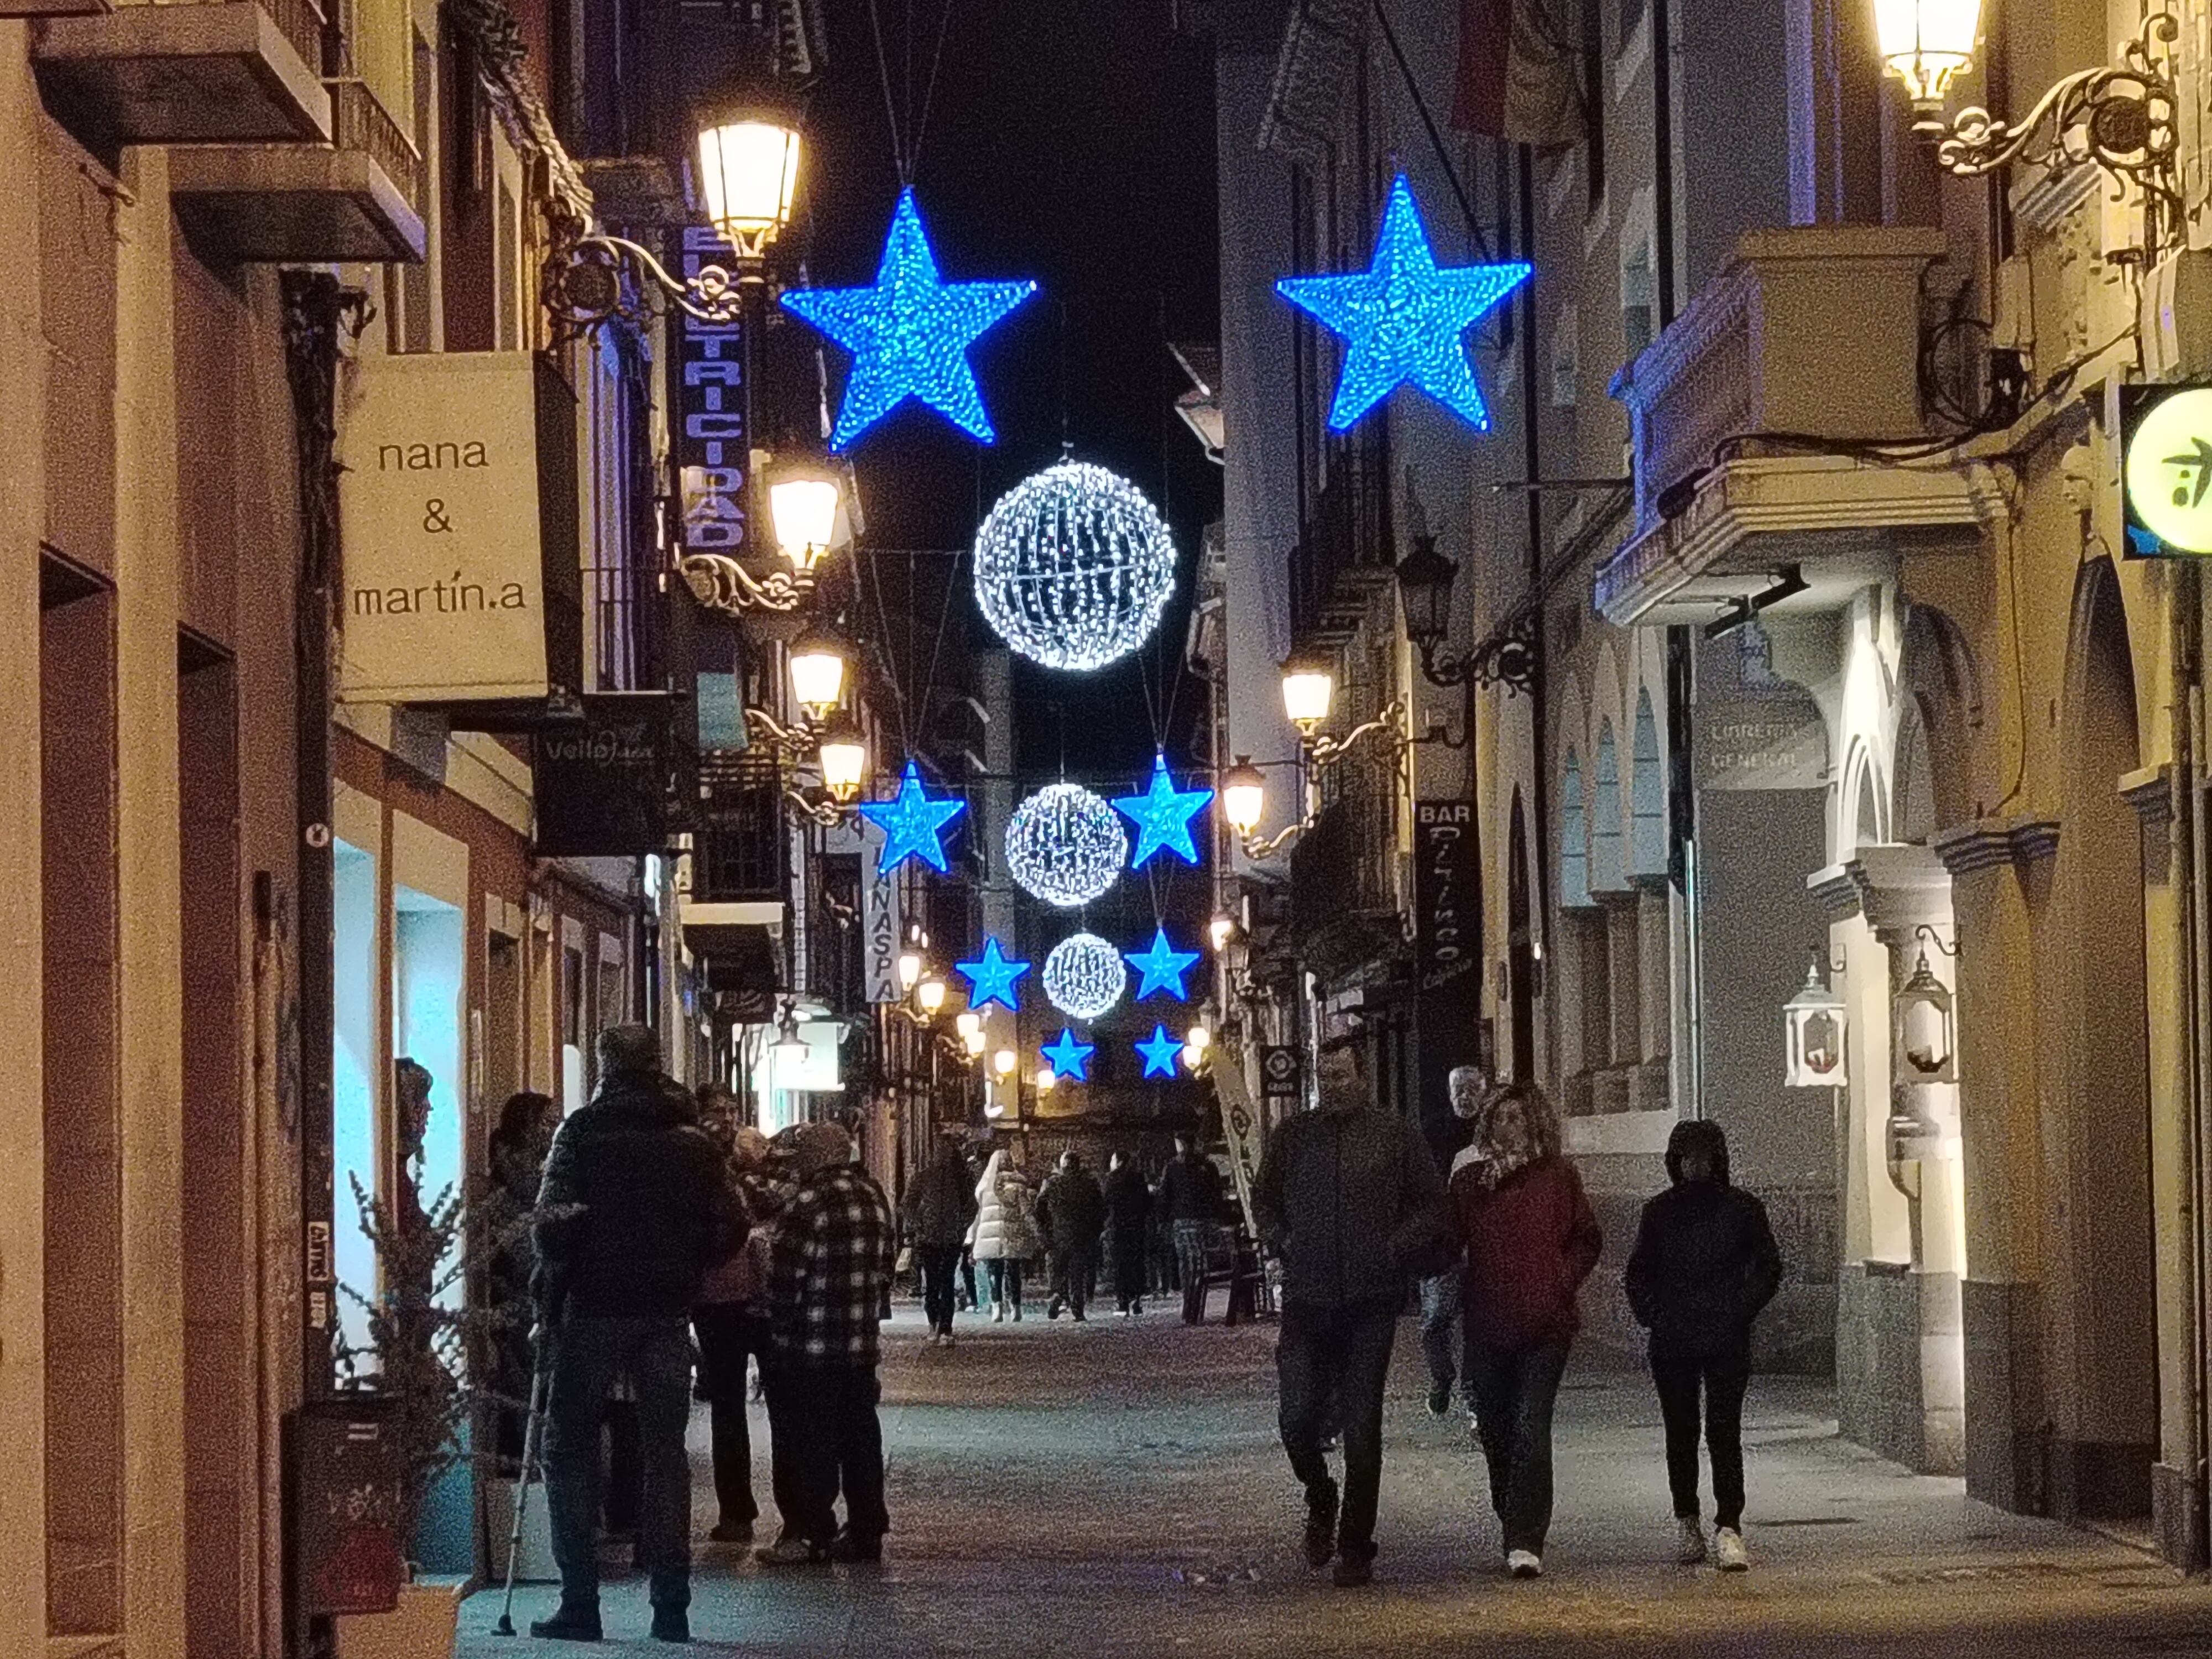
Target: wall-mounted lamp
x: 1813, y: 1033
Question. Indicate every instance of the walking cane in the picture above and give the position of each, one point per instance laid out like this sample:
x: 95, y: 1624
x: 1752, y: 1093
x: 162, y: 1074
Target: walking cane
x: 533, y: 1432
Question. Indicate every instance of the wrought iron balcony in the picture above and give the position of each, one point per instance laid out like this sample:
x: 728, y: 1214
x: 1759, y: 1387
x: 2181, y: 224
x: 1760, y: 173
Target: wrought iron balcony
x: 226, y: 72
x: 1345, y: 552
x: 359, y: 197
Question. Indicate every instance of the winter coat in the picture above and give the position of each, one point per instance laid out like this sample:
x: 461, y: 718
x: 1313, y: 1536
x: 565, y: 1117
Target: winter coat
x: 1005, y: 1222
x: 1190, y: 1189
x: 741, y: 1279
x: 1071, y: 1210
x: 940, y: 1202
x: 1531, y: 1242
x: 1128, y: 1202
x: 1349, y: 1198
x: 635, y: 1206
x: 1704, y: 1264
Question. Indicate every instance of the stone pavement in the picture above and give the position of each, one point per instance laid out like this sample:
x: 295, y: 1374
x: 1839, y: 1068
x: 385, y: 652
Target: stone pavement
x: 1116, y: 1489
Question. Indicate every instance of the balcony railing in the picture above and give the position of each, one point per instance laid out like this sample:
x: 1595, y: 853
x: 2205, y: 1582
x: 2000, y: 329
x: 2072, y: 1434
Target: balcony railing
x: 738, y: 852
x: 629, y: 627
x: 187, y: 71
x: 360, y: 122
x: 1344, y: 550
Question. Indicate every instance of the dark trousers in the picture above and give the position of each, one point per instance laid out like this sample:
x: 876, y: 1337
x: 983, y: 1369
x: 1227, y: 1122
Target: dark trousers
x: 1128, y: 1273
x: 837, y: 1444
x: 1190, y: 1267
x: 625, y: 1486
x: 1513, y: 1392
x: 729, y: 1335
x: 1073, y: 1270
x: 1440, y: 1298
x: 656, y: 1355
x: 939, y: 1264
x: 1332, y: 1363
x: 1724, y: 1377
x: 1006, y: 1277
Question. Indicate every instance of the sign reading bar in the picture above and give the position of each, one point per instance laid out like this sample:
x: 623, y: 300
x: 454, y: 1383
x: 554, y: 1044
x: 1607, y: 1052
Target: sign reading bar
x: 1447, y: 912
x: 437, y: 516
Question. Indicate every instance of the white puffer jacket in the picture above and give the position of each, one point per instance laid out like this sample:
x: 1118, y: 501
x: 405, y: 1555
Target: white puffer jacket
x: 1006, y: 1219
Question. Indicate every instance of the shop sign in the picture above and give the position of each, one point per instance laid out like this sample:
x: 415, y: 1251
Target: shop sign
x: 2166, y: 436
x: 712, y: 448
x: 880, y: 907
x: 1447, y: 912
x: 443, y: 598
x: 601, y: 783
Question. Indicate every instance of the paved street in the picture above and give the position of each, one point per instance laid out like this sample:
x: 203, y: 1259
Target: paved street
x: 1116, y: 1490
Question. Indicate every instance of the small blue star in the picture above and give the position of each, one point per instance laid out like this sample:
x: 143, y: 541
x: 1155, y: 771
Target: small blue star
x: 1069, y: 1058
x: 913, y: 824
x: 1163, y: 967
x: 1402, y: 318
x: 991, y: 978
x: 1160, y: 1051
x: 1162, y: 815
x: 909, y: 333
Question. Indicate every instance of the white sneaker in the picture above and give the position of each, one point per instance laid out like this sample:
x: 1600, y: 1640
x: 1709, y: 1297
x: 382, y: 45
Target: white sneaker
x: 1693, y: 1548
x: 999, y: 1314
x: 944, y: 1342
x: 1525, y: 1564
x: 1728, y: 1549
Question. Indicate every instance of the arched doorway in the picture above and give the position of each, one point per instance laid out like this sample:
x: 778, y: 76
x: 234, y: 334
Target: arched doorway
x: 2101, y: 1341
x: 1520, y: 946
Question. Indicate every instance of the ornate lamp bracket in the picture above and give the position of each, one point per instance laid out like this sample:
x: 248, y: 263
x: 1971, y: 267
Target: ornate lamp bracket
x: 2122, y: 117
x: 590, y: 278
x: 1507, y: 658
x: 720, y: 583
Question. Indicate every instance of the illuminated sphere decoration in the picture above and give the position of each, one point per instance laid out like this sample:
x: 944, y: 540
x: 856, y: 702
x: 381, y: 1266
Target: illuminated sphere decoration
x: 1083, y: 977
x: 1073, y: 566
x: 1065, y: 846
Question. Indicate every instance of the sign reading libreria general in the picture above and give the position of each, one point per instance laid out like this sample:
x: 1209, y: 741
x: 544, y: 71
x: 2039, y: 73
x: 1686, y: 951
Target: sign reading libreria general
x: 443, y: 598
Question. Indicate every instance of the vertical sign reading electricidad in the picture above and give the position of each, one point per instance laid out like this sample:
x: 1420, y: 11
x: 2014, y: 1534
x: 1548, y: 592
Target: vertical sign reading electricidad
x: 711, y: 443
x: 443, y: 598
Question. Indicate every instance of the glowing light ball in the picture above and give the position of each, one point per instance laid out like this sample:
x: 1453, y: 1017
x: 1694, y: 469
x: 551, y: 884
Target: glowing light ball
x: 1073, y: 566
x: 1083, y: 977
x: 1064, y: 845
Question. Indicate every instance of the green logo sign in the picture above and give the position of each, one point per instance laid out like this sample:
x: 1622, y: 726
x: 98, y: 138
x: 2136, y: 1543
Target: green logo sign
x: 2168, y: 469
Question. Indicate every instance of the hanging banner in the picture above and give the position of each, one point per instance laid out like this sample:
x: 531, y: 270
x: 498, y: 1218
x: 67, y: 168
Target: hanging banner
x: 439, y: 518
x: 1240, y: 1128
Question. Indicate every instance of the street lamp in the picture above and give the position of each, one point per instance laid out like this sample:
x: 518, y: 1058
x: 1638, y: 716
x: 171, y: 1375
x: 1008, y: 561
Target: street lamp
x: 1813, y: 1034
x: 843, y: 758
x: 1199, y: 1038
x: 749, y: 177
x: 1923, y: 1029
x: 1309, y: 689
x: 930, y: 994
x: 1244, y: 798
x: 817, y: 659
x: 1003, y: 1062
x: 1046, y: 1080
x: 1221, y: 928
x: 909, y: 970
x: 975, y: 1041
x: 804, y: 498
x: 1507, y: 658
x: 969, y: 1024
x: 1926, y: 43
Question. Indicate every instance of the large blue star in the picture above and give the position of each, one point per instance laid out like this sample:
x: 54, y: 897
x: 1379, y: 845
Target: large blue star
x: 909, y: 333
x: 1069, y: 1058
x: 913, y: 824
x: 1160, y: 1051
x: 1163, y: 967
x: 991, y: 978
x: 1162, y: 815
x: 1402, y: 318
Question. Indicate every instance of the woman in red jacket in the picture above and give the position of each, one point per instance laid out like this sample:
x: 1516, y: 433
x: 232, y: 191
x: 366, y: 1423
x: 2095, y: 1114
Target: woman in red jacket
x: 1531, y: 1241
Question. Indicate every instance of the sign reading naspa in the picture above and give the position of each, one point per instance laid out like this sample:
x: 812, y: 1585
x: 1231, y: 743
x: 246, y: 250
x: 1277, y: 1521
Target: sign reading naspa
x: 438, y: 503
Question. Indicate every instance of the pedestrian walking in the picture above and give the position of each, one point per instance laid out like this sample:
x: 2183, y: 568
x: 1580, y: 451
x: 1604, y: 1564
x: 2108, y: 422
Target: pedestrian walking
x: 940, y: 1203
x: 1351, y: 1199
x: 1190, y: 1192
x: 829, y: 1263
x: 1531, y: 1241
x: 635, y: 1206
x: 1006, y: 1233
x: 1704, y: 1266
x: 1072, y: 1215
x: 1128, y: 1208
x: 1440, y: 1291
x: 731, y: 1322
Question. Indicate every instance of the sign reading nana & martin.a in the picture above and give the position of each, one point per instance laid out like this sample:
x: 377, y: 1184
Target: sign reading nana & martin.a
x: 439, y: 508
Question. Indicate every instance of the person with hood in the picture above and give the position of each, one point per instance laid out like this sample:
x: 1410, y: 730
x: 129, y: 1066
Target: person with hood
x: 940, y: 1203
x: 1006, y: 1234
x: 1440, y: 1291
x: 1128, y: 1208
x: 1704, y: 1266
x: 1531, y: 1241
x: 1072, y: 1215
x: 635, y: 1206
x: 829, y: 1265
x: 1190, y: 1193
x: 1351, y: 1199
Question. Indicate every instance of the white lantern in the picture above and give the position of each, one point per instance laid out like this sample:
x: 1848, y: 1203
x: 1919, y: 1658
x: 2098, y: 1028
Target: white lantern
x: 1925, y: 1033
x: 1813, y: 1036
x: 1926, y: 43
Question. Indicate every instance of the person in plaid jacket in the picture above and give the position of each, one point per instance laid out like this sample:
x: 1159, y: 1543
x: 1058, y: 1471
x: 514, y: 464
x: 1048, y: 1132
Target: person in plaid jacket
x: 829, y: 1265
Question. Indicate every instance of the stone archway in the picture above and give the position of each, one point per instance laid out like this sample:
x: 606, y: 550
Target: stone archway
x: 2100, y: 1342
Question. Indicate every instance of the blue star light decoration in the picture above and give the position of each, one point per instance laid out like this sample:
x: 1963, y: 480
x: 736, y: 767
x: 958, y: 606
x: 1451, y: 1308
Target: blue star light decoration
x: 913, y: 824
x: 1403, y: 318
x: 991, y: 978
x: 1162, y: 815
x: 1069, y: 1058
x: 909, y: 333
x: 1160, y: 1052
x: 1163, y: 967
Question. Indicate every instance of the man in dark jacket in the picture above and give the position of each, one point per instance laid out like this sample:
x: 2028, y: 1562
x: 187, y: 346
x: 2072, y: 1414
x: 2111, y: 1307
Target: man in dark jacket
x: 940, y: 1207
x: 1704, y: 1266
x: 634, y: 1207
x: 1190, y: 1192
x: 1071, y: 1213
x: 1129, y: 1207
x: 1351, y: 1199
